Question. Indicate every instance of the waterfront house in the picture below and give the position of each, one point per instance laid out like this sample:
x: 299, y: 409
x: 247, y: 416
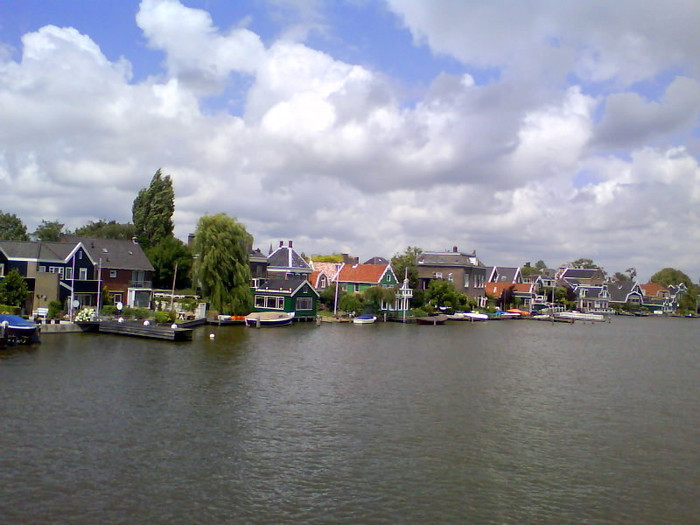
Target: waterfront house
x: 359, y: 277
x: 125, y: 271
x: 258, y: 267
x: 624, y: 293
x: 504, y: 274
x: 573, y: 277
x: 323, y: 274
x: 508, y: 294
x: 592, y: 298
x: 465, y: 271
x: 287, y: 295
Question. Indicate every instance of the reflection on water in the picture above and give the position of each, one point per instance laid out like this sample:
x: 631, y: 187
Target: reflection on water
x: 501, y: 422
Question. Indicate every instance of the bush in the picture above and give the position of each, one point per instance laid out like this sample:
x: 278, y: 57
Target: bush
x: 109, y: 309
x: 55, y: 310
x: 163, y: 317
x: 8, y: 309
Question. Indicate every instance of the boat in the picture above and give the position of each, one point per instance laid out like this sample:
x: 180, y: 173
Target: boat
x: 269, y: 318
x: 229, y: 319
x: 432, y: 319
x: 364, y: 319
x: 18, y: 330
x: 579, y: 316
x: 458, y: 316
x: 476, y: 316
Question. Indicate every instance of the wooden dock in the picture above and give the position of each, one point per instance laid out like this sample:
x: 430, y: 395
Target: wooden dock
x: 136, y: 329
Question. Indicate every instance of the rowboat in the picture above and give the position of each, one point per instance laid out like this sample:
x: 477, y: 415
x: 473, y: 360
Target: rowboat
x: 269, y: 318
x: 364, y: 319
x: 432, y: 319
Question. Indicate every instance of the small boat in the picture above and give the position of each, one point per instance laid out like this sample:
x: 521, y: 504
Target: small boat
x: 269, y: 318
x: 18, y: 330
x: 458, y: 316
x: 432, y: 319
x: 579, y: 316
x: 476, y: 316
x: 364, y: 319
x: 230, y: 319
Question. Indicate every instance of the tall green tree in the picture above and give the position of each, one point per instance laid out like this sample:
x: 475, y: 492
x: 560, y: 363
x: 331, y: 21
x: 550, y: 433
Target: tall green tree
x: 671, y: 276
x: 375, y: 295
x: 49, y: 230
x: 152, y: 210
x: 107, y: 230
x: 407, y: 262
x: 165, y: 257
x: 13, y: 289
x: 443, y: 293
x: 12, y: 228
x: 221, y: 247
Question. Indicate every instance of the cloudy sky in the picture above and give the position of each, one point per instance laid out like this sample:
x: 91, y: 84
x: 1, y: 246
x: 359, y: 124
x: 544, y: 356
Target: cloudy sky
x: 523, y: 130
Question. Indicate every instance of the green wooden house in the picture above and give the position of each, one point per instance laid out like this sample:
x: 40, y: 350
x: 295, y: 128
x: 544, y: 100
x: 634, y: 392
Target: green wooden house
x: 287, y: 295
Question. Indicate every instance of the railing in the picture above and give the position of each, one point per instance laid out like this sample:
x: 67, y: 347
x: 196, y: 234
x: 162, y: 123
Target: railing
x: 140, y: 284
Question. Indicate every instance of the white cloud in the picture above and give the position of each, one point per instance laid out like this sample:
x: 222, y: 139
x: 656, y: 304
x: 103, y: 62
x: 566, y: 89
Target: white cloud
x: 328, y: 154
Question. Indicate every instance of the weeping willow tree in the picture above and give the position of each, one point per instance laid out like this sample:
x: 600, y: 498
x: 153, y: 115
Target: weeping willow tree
x: 221, y: 247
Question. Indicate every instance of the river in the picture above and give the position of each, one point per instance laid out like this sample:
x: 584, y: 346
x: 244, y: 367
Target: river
x: 495, y: 422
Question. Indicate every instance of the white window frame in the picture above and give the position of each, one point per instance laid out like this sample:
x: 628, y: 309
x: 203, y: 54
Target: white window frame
x: 68, y: 273
x: 42, y: 269
x: 271, y: 302
x: 82, y: 274
x: 2, y: 269
x: 113, y: 274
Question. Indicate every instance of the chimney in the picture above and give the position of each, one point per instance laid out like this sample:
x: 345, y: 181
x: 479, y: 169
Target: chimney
x: 454, y: 249
x: 290, y: 244
x: 190, y: 239
x: 281, y: 243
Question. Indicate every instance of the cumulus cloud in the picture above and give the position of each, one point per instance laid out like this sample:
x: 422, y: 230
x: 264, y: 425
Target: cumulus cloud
x: 561, y: 155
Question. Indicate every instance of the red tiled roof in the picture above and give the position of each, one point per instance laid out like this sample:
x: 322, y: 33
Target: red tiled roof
x: 653, y: 289
x: 497, y: 289
x: 362, y: 273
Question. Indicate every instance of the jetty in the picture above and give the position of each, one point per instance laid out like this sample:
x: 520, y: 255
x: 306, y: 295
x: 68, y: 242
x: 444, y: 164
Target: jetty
x: 136, y: 329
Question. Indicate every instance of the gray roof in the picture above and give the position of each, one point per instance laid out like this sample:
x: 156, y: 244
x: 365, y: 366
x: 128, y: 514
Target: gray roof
x: 21, y: 249
x: 285, y: 257
x: 580, y: 273
x: 620, y: 290
x: 284, y: 285
x: 116, y: 254
x: 503, y: 274
x: 449, y: 259
x: 376, y: 260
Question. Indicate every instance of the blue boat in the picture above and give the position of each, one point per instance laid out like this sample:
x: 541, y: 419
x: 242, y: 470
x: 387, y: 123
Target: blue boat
x: 17, y: 330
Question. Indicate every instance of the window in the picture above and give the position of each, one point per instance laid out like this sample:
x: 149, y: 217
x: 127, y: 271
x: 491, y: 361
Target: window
x: 80, y: 255
x: 83, y: 274
x: 42, y: 269
x: 305, y: 303
x: 450, y: 277
x: 2, y: 269
x: 437, y: 275
x: 272, y: 302
x: 68, y: 273
x: 112, y: 274
x: 58, y: 270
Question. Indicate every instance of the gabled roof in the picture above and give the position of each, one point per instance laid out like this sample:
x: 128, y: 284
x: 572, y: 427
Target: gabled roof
x: 579, y: 273
x: 497, y: 289
x: 376, y: 260
x: 621, y: 290
x: 20, y: 249
x: 286, y: 257
x: 116, y: 254
x: 504, y: 274
x: 43, y: 251
x: 653, y: 289
x: 285, y: 286
x: 363, y: 273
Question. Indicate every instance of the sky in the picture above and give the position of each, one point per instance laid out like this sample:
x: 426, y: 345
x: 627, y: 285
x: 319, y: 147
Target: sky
x: 524, y: 130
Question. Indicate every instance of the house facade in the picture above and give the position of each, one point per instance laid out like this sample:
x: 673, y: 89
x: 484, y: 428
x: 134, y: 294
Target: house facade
x: 625, y: 293
x: 354, y: 278
x: 287, y: 295
x: 465, y: 271
x: 286, y: 263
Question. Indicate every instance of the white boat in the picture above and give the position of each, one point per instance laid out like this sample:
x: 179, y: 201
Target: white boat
x: 269, y: 318
x: 476, y: 316
x: 364, y: 319
x: 579, y: 316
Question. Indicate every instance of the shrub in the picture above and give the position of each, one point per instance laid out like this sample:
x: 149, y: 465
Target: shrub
x: 109, y: 309
x: 8, y: 309
x: 163, y: 317
x: 55, y: 310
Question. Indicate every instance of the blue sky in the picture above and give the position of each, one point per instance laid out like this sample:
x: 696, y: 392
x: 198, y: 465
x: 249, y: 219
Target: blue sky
x: 524, y: 130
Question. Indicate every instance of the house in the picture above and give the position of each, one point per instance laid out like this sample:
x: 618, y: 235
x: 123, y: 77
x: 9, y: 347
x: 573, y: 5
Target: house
x: 573, y: 277
x: 464, y: 270
x: 53, y: 271
x: 323, y: 274
x: 288, y: 295
x: 286, y: 263
x: 547, y: 278
x: 359, y: 277
x: 592, y: 298
x: 625, y: 293
x: 258, y: 267
x: 506, y: 293
x: 125, y: 271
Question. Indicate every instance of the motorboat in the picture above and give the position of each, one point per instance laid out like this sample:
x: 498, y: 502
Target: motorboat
x: 269, y: 318
x: 432, y: 319
x: 18, y: 330
x: 476, y: 316
x: 364, y: 319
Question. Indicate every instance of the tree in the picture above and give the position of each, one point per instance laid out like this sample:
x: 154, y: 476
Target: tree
x: 585, y: 263
x: 152, y: 210
x: 164, y: 256
x: 443, y: 293
x: 375, y: 295
x: 619, y: 276
x: 13, y: 289
x: 107, y: 230
x: 49, y: 230
x: 671, y: 276
x: 350, y: 302
x: 221, y: 246
x: 12, y: 228
x: 407, y: 262
x: 334, y: 258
